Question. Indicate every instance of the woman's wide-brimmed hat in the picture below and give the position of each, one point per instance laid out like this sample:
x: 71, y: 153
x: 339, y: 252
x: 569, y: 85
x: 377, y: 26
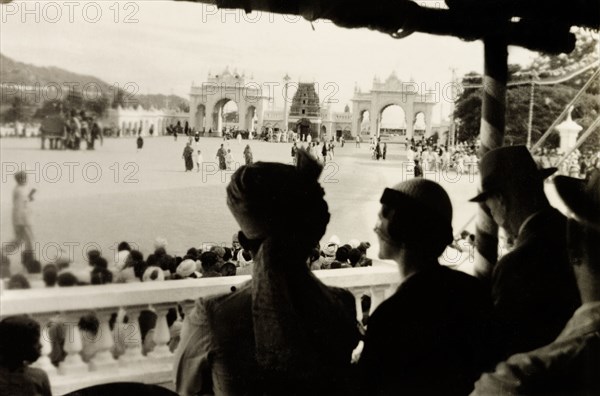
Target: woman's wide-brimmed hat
x: 582, y: 198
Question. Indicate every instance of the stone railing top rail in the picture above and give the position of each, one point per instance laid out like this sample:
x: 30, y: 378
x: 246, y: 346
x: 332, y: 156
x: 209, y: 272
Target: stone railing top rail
x: 64, y: 299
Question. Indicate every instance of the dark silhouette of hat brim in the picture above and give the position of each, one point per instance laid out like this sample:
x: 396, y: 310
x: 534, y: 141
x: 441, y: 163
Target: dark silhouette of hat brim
x: 482, y: 196
x: 579, y: 201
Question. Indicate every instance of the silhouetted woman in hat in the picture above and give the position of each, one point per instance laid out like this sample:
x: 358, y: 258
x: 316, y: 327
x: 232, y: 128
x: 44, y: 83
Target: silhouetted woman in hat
x: 284, y: 332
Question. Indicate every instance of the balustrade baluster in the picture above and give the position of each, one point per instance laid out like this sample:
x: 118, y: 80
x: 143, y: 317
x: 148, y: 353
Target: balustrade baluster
x: 358, y: 292
x: 132, y: 338
x: 187, y: 306
x: 73, y: 363
x: 162, y: 335
x: 44, y: 361
x: 103, y: 359
x: 131, y: 365
x: 377, y: 296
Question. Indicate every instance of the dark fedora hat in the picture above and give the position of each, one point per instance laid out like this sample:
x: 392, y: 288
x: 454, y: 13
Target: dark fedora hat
x: 506, y: 165
x: 582, y: 199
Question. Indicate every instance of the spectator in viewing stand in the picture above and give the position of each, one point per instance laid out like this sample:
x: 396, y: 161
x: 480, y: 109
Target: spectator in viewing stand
x: 18, y: 281
x: 533, y: 286
x: 50, y: 275
x: 211, y: 263
x: 292, y: 334
x: 187, y: 269
x: 19, y: 347
x: 429, y: 337
x: 245, y: 262
x: 570, y: 364
x: 123, y: 250
x: 67, y: 279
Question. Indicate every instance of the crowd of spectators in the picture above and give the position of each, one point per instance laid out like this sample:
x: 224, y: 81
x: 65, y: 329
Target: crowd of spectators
x: 431, y: 157
x: 130, y: 265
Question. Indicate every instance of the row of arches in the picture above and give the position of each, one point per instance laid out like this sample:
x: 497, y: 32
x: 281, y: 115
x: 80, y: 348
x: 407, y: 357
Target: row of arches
x: 392, y: 120
x: 156, y: 127
x: 133, y: 128
x: 226, y: 115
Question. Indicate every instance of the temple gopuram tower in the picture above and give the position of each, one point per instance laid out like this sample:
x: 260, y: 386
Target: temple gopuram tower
x: 305, y: 111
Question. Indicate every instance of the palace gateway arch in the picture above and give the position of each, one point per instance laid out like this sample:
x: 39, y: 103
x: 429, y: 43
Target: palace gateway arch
x: 417, y: 108
x: 208, y: 100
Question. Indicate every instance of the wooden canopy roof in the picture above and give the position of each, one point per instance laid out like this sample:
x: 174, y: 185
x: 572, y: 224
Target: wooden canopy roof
x: 539, y: 25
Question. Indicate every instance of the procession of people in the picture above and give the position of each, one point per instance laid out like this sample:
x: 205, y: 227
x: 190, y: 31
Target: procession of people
x: 70, y: 129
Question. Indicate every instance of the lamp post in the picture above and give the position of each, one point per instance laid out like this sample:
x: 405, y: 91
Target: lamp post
x: 286, y: 79
x: 568, y: 131
x: 532, y: 76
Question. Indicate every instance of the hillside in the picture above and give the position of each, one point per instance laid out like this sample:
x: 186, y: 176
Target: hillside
x: 24, y: 74
x: 21, y: 74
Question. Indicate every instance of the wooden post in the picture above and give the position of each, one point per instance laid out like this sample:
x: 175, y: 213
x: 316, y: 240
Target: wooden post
x: 530, y: 120
x: 491, y: 134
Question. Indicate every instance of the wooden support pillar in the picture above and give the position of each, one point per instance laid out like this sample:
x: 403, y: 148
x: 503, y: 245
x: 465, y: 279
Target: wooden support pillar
x: 491, y: 134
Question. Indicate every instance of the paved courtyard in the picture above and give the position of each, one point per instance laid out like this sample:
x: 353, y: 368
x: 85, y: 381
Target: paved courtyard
x: 95, y: 199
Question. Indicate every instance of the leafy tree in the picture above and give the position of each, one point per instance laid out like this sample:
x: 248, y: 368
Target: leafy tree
x: 17, y: 111
x: 231, y: 116
x: 97, y: 106
x: 118, y: 99
x: 185, y: 107
x: 549, y: 100
x: 73, y: 101
x: 49, y: 107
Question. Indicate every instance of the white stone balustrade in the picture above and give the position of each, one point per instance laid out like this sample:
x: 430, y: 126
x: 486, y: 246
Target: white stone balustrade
x: 71, y: 303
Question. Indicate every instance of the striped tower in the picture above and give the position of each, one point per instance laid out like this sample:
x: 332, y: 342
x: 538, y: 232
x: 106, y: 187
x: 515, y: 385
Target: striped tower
x: 491, y: 134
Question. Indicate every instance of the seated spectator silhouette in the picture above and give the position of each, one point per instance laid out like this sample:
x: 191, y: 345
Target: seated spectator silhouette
x: 341, y: 258
x: 19, y: 347
x: 570, y: 365
x: 246, y: 265
x: 67, y: 279
x: 314, y: 260
x: 429, y: 337
x: 187, y: 269
x: 18, y: 281
x: 133, y: 269
x: 228, y: 269
x: 354, y: 256
x: 50, y: 275
x: 284, y: 332
x: 123, y: 250
x: 211, y: 263
x: 153, y: 274
x: 533, y: 286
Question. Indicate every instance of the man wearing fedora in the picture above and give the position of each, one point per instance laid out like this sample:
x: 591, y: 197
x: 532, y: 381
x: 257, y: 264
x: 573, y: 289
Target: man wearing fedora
x: 533, y: 287
x: 571, y: 364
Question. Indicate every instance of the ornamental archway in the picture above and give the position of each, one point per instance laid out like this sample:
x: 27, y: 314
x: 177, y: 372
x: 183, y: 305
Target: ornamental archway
x: 384, y: 94
x: 212, y: 95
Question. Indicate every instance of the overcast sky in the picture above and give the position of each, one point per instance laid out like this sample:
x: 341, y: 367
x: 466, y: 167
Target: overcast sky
x: 162, y: 46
